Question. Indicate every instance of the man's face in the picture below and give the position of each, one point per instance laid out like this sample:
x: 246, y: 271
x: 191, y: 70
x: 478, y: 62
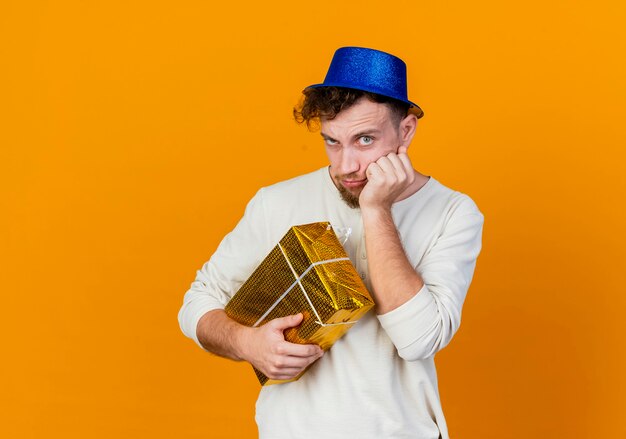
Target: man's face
x: 356, y: 137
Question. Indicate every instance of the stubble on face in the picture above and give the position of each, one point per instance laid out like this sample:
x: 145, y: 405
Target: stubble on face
x: 351, y: 199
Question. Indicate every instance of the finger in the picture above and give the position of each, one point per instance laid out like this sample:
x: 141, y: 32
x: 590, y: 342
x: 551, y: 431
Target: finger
x: 405, y: 160
x: 286, y: 322
x: 387, y: 166
x: 300, y: 350
x: 396, y: 162
x: 284, y: 374
x: 393, y: 168
x: 373, y: 170
x: 288, y: 367
x: 406, y: 163
x: 282, y: 363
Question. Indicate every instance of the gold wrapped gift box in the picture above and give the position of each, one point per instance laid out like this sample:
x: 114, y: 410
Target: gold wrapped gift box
x: 307, y: 272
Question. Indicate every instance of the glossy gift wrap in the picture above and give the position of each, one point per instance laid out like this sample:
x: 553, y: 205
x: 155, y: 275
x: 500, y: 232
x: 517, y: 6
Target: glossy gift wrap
x: 307, y: 272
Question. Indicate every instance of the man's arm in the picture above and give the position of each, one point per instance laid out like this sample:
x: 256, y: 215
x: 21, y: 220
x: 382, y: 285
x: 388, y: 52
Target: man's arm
x: 419, y: 311
x: 393, y: 278
x: 202, y: 317
x: 263, y: 347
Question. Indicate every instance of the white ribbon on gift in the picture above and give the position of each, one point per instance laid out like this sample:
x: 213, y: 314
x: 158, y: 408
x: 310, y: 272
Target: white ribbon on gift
x: 298, y: 282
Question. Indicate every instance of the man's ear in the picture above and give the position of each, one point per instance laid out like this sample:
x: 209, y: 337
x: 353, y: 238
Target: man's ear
x: 408, y: 125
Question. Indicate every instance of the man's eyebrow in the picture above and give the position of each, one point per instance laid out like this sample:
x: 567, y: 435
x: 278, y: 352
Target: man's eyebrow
x: 366, y: 133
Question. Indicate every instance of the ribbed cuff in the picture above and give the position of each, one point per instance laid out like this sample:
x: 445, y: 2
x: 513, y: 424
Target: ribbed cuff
x: 408, y: 322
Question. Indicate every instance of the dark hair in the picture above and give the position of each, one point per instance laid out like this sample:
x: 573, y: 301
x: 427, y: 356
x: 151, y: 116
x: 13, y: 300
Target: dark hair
x: 328, y: 102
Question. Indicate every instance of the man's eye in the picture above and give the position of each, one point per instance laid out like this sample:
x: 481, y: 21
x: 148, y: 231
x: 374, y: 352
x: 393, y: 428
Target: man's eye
x: 330, y: 142
x: 366, y: 140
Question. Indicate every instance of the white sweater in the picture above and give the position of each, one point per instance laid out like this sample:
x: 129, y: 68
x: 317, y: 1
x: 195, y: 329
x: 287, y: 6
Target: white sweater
x: 379, y: 380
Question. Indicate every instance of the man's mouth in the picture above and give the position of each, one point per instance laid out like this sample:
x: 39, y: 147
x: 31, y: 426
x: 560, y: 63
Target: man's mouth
x: 354, y: 183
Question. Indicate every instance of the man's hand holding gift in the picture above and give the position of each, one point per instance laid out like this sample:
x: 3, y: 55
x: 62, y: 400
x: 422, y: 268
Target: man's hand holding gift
x: 265, y: 348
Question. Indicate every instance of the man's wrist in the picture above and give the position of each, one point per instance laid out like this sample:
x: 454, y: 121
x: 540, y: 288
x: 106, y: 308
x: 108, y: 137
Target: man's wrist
x: 219, y: 334
x: 240, y: 337
x: 375, y: 212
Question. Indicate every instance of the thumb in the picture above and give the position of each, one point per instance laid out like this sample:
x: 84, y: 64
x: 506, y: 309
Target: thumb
x: 286, y: 322
x: 402, y: 150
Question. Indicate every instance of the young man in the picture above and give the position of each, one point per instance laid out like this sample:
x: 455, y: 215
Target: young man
x: 414, y: 243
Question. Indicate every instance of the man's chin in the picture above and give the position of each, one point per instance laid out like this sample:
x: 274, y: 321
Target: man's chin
x: 349, y: 195
x: 350, y: 198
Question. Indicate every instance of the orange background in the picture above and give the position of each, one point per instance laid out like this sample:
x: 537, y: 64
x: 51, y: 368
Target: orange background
x: 133, y: 133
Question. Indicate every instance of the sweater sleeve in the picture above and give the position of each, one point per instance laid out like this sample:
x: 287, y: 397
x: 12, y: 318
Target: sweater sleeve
x: 426, y: 323
x: 239, y: 253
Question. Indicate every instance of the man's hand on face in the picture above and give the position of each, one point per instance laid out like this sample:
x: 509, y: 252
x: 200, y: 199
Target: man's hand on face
x: 387, y: 178
x: 267, y: 349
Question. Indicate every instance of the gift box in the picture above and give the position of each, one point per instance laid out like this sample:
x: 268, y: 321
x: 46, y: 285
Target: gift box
x: 307, y: 272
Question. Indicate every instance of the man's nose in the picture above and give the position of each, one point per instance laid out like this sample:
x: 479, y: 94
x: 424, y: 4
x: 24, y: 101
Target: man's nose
x: 349, y: 162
